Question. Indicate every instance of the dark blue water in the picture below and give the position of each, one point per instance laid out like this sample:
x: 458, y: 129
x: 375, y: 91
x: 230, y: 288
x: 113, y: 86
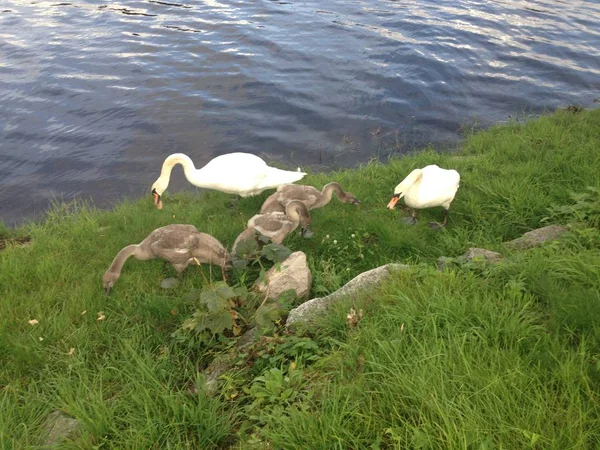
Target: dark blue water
x: 95, y: 94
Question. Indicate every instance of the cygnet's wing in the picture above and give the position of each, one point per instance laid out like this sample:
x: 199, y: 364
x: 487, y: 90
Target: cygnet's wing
x: 270, y: 224
x: 248, y: 233
x: 208, y: 249
x: 175, y: 243
x: 289, y: 192
x: 173, y: 231
x: 438, y: 185
x: 271, y: 204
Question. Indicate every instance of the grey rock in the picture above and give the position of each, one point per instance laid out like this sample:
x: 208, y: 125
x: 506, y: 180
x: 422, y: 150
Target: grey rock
x: 169, y: 283
x: 473, y: 254
x: 537, y: 237
x: 317, y: 306
x: 223, y: 363
x: 482, y: 254
x: 294, y: 274
x: 444, y: 261
x: 60, y: 427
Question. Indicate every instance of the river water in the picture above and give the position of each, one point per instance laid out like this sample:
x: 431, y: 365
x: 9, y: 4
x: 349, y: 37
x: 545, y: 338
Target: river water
x: 95, y: 94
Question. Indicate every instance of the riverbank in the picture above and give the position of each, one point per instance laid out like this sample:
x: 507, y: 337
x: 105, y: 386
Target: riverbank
x: 505, y: 356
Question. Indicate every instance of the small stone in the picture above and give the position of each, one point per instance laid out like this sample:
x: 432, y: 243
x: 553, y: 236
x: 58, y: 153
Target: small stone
x: 169, y: 283
x: 537, y: 237
x: 294, y: 274
x: 473, y: 254
x: 443, y: 262
x: 60, y: 427
x: 480, y: 254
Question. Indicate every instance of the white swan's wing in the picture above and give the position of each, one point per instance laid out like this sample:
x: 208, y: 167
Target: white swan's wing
x: 437, y: 187
x: 242, y: 173
x: 273, y: 177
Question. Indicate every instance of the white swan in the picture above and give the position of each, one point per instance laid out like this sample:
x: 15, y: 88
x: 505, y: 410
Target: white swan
x: 234, y: 173
x: 427, y: 187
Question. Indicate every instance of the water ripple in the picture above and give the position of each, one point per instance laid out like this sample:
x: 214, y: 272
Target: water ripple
x: 95, y: 94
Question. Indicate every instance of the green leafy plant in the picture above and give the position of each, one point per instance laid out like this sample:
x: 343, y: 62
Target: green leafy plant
x: 276, y: 389
x: 251, y: 250
x: 585, y: 208
x: 217, y: 312
x: 269, y: 314
x: 279, y: 350
x: 226, y: 312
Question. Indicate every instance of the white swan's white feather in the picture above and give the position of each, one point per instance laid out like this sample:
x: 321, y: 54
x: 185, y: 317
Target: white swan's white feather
x: 244, y: 174
x: 435, y: 187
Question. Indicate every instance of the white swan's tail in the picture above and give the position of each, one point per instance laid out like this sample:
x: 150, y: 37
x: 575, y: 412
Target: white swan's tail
x: 276, y: 177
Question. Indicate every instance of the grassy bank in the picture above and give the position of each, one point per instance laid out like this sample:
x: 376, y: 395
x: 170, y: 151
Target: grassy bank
x: 500, y: 357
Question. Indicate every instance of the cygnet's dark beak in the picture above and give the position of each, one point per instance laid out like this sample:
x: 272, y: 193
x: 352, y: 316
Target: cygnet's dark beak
x: 307, y: 233
x: 106, y: 290
x: 356, y: 201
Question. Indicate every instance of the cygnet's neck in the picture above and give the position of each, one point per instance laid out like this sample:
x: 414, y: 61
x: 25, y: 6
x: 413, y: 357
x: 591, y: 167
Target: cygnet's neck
x: 293, y: 214
x: 122, y: 256
x: 327, y: 193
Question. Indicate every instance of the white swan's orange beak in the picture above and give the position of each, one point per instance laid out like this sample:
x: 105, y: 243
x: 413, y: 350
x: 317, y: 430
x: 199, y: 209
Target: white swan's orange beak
x: 157, y: 201
x: 393, y: 201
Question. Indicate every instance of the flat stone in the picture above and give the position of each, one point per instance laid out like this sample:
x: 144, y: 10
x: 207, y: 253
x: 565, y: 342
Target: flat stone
x: 169, y: 283
x: 538, y: 237
x: 370, y: 279
x: 482, y: 254
x: 293, y: 274
x: 443, y: 262
x: 473, y: 254
x: 60, y: 427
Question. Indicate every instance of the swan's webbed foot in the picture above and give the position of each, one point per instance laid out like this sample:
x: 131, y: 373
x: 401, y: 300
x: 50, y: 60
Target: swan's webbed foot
x: 436, y: 225
x: 234, y: 202
x: 179, y: 268
x: 307, y: 233
x: 412, y: 220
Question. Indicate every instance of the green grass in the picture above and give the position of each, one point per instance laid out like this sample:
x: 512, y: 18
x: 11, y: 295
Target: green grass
x: 473, y: 357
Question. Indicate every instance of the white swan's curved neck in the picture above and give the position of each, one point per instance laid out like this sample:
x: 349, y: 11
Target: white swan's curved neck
x: 409, y: 182
x: 195, y: 176
x: 178, y: 158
